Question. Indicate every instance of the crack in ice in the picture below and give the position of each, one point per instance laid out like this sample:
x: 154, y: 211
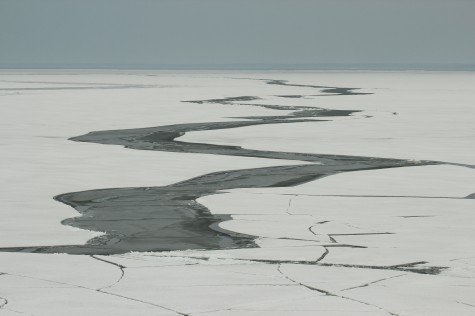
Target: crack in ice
x: 325, y: 292
x: 370, y: 283
x: 99, y: 291
x: 463, y: 303
x: 121, y: 267
x: 288, y: 206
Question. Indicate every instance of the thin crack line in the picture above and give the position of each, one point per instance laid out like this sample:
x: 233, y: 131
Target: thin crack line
x: 336, y: 245
x: 212, y: 311
x: 328, y: 235
x: 17, y: 311
x: 315, y: 241
x: 365, y: 196
x: 361, y: 234
x: 98, y: 291
x: 428, y: 270
x: 369, y: 283
x: 121, y: 267
x: 165, y: 266
x: 463, y: 303
x: 400, y: 267
x: 289, y: 238
x: 410, y: 264
x: 332, y: 294
x: 140, y: 301
x: 323, y: 255
x: 317, y: 245
x: 331, y: 236
x: 223, y: 285
x: 310, y: 229
x: 5, y: 301
x: 279, y: 269
x: 464, y: 258
x: 288, y: 207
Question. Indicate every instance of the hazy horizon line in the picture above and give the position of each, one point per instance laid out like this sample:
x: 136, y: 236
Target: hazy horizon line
x: 325, y: 66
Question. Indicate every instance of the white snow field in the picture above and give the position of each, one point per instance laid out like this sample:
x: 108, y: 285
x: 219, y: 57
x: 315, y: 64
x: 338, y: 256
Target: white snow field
x: 398, y: 241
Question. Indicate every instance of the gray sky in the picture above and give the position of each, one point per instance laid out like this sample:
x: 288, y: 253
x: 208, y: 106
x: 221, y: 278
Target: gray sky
x: 231, y: 32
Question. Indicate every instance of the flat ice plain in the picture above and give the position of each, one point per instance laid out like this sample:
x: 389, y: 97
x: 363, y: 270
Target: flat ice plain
x: 396, y: 241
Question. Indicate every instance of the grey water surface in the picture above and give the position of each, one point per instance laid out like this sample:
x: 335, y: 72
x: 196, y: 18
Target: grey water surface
x: 169, y: 217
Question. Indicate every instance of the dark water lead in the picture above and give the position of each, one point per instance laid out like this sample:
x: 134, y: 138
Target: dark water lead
x: 168, y: 217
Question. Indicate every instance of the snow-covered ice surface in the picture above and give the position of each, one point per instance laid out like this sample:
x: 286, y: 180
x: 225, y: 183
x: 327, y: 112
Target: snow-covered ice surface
x: 395, y: 241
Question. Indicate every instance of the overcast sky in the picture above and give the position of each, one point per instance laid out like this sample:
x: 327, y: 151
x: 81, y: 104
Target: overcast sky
x: 231, y: 32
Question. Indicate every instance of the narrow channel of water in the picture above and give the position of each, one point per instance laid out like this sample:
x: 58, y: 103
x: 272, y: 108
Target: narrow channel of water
x: 169, y: 218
